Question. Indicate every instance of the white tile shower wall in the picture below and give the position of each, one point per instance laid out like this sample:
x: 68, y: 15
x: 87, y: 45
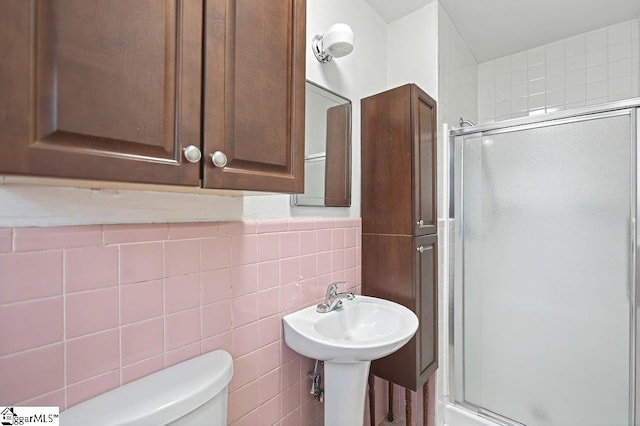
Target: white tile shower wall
x: 587, y: 69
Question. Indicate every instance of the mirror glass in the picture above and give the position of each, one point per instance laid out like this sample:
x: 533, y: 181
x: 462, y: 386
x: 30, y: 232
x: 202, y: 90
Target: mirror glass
x: 327, y: 157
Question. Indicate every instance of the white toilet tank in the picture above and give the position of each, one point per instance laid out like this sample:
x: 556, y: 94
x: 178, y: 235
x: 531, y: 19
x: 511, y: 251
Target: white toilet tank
x: 193, y: 392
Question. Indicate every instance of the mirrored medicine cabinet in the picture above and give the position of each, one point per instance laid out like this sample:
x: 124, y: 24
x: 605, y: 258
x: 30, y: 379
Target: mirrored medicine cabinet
x: 327, y: 157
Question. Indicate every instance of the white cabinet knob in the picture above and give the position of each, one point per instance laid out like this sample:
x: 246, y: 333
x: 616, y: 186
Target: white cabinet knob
x: 219, y: 159
x: 192, y: 154
x: 420, y: 249
x: 421, y: 224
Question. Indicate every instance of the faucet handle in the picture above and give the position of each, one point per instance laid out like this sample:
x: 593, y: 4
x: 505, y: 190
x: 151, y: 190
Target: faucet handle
x: 332, y: 290
x: 332, y: 300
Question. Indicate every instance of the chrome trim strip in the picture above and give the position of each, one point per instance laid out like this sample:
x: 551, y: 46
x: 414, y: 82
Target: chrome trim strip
x: 461, y: 281
x: 560, y: 121
x: 487, y: 414
x: 497, y: 418
x: 452, y: 180
x: 633, y: 312
x: 451, y: 244
x: 611, y: 106
x: 453, y: 268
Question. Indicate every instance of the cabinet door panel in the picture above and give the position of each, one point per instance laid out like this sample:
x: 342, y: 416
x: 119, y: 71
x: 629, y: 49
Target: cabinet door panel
x: 387, y: 268
x: 110, y: 89
x: 254, y: 94
x: 425, y: 163
x: 387, y: 162
x: 388, y: 273
x: 394, y: 268
x: 427, y: 295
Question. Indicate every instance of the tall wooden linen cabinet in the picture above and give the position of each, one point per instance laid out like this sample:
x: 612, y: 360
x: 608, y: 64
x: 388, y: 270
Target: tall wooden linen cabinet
x: 399, y: 222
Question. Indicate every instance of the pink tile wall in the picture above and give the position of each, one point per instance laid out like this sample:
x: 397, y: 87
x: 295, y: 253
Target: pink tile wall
x: 85, y: 309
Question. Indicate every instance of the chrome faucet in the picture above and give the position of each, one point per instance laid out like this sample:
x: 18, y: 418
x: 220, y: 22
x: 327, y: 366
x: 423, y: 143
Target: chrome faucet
x: 333, y: 299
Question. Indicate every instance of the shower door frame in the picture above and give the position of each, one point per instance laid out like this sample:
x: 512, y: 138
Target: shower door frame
x: 456, y: 280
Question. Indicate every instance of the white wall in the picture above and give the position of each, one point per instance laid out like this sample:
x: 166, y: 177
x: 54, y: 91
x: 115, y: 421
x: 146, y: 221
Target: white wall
x: 413, y: 50
x: 457, y: 88
x: 355, y: 76
x: 457, y: 74
x: 587, y: 69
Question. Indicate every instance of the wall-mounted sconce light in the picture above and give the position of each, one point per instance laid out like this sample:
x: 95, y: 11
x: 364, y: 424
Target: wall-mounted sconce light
x: 336, y: 42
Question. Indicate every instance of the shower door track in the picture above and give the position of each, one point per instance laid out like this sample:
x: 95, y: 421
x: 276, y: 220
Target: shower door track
x: 551, y: 116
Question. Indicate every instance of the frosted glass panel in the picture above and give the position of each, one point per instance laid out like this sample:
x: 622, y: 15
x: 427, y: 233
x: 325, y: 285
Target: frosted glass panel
x: 546, y: 266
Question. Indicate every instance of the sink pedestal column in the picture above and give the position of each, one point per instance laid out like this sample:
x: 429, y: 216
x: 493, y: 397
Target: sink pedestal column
x: 345, y: 386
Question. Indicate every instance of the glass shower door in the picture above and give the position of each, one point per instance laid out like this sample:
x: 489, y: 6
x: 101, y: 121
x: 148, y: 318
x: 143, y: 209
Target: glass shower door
x: 543, y: 286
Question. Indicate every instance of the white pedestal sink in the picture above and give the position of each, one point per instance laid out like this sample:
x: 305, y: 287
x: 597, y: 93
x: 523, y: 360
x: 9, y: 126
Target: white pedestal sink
x: 347, y: 340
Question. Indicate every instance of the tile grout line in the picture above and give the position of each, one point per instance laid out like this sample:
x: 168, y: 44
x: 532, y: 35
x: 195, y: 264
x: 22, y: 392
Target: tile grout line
x: 164, y: 309
x: 64, y: 327
x: 119, y: 315
x: 201, y: 291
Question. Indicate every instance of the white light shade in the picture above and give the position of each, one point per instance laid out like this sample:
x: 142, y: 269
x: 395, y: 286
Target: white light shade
x: 338, y: 40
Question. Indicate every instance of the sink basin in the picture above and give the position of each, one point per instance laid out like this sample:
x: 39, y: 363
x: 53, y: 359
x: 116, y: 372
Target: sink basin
x: 347, y: 340
x: 364, y: 329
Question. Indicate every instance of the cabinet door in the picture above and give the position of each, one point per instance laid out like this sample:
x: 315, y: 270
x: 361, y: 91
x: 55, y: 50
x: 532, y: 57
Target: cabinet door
x: 388, y: 272
x: 254, y: 94
x: 425, y: 163
x: 426, y: 276
x: 404, y: 269
x: 100, y: 89
x: 387, y: 162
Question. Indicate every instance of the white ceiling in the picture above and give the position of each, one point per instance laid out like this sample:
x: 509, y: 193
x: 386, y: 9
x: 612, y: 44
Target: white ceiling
x: 390, y: 10
x: 495, y: 28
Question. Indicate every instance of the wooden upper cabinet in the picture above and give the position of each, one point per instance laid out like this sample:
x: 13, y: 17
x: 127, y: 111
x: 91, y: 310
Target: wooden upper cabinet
x: 399, y: 148
x: 101, y: 89
x: 254, y: 90
x: 116, y: 89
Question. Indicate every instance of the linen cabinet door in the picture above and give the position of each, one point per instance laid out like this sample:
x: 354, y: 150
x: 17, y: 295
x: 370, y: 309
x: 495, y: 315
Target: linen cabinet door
x: 425, y: 124
x: 101, y: 89
x: 387, y: 162
x: 388, y: 272
x: 426, y: 276
x: 254, y: 94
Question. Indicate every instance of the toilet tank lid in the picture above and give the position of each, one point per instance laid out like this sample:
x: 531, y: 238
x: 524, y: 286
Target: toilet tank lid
x: 159, y: 398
